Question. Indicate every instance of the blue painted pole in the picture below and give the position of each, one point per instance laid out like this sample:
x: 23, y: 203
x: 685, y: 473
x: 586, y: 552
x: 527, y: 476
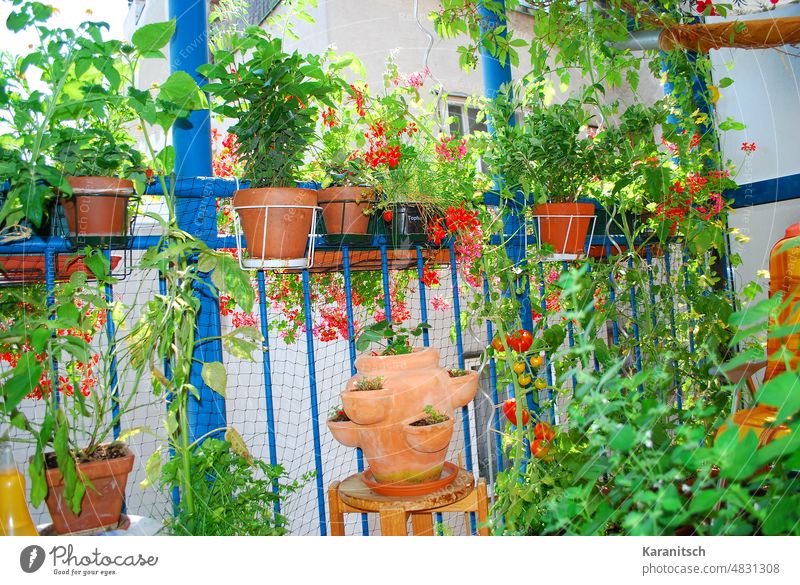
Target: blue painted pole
x: 387, y: 298
x: 461, y: 364
x: 634, y: 318
x: 351, y: 343
x: 315, y: 422
x: 423, y: 298
x: 267, y: 367
x: 191, y: 137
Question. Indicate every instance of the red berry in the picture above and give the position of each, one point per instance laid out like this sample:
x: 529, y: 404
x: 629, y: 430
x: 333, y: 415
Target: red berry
x: 387, y: 216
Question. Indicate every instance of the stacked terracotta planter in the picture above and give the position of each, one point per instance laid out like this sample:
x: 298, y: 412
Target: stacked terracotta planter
x: 381, y: 420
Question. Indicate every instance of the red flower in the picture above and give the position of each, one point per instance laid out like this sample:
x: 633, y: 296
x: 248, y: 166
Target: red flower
x: 703, y: 4
x: 749, y: 147
x: 430, y: 277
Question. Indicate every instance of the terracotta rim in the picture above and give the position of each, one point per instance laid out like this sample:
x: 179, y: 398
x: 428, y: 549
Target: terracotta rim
x: 420, y: 357
x: 449, y: 475
x: 100, y: 186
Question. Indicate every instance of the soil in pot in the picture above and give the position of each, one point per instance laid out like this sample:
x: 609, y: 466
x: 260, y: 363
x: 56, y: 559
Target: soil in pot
x: 344, y: 211
x: 97, y: 212
x: 280, y: 233
x: 564, y: 226
x: 430, y: 418
x: 107, y: 470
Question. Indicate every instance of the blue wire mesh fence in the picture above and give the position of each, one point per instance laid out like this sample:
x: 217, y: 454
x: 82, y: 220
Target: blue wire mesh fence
x: 280, y: 402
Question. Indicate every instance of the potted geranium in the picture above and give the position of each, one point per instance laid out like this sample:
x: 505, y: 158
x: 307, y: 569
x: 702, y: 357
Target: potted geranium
x: 549, y: 157
x: 273, y: 129
x: 347, y: 198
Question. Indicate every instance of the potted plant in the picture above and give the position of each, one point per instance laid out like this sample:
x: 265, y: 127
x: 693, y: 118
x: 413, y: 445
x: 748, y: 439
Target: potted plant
x: 102, y: 166
x: 77, y: 468
x: 273, y: 131
x: 548, y: 156
x: 400, y: 386
x: 346, y: 197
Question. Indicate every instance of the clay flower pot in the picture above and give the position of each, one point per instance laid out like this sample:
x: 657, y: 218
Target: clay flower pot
x: 564, y: 226
x: 280, y: 233
x: 396, y: 452
x: 367, y: 407
x: 98, y: 206
x: 430, y: 438
x: 344, y: 210
x: 101, y: 506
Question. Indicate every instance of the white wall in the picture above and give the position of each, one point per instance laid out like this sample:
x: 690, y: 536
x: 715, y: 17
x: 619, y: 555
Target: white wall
x: 765, y: 96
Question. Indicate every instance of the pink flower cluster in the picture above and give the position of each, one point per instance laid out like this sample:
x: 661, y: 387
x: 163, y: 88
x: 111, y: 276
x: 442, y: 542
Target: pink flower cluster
x: 450, y: 149
x: 415, y: 79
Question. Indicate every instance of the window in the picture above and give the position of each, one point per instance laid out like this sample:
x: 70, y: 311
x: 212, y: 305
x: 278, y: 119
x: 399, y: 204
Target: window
x: 464, y: 119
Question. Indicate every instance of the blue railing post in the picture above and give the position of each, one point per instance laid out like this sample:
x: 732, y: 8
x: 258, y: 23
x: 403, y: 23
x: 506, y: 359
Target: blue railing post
x: 495, y: 75
x: 191, y: 137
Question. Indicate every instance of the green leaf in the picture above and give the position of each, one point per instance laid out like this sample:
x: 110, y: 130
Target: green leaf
x: 153, y: 37
x: 182, y: 90
x: 24, y: 379
x: 782, y: 392
x: 725, y: 82
x: 215, y: 376
x: 623, y: 439
x: 152, y: 469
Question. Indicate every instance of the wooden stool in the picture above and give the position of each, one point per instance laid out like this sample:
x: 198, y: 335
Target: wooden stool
x: 352, y: 496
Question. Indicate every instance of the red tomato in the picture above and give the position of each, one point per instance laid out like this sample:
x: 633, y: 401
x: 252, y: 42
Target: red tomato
x: 540, y: 448
x: 520, y: 341
x: 544, y: 431
x: 387, y: 216
x: 497, y: 344
x: 510, y: 410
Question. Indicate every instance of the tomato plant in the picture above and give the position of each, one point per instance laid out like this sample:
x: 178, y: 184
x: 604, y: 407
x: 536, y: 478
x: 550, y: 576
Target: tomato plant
x: 510, y: 410
x: 524, y: 380
x: 497, y: 344
x: 520, y: 341
x: 540, y: 448
x: 544, y: 431
x: 519, y: 367
x: 537, y: 361
x: 540, y: 383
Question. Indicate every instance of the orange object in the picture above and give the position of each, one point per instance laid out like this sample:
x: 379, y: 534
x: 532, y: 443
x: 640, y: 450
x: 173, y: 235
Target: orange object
x: 98, y: 206
x: 397, y: 451
x: 344, y: 209
x: 564, y: 225
x: 758, y: 420
x: 784, y: 277
x: 15, y: 518
x: 282, y: 232
x: 752, y: 34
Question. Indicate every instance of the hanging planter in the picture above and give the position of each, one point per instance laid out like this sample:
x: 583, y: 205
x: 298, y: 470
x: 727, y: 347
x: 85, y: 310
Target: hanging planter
x: 102, y: 503
x: 345, y: 211
x: 404, y: 447
x: 98, y: 212
x: 564, y: 226
x: 279, y: 226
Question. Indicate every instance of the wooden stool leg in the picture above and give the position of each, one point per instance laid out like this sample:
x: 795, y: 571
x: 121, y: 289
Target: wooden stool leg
x: 422, y: 523
x: 483, y: 508
x: 393, y: 522
x: 337, y: 516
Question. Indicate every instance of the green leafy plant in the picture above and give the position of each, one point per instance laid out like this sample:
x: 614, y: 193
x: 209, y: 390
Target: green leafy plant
x: 396, y: 337
x: 235, y: 494
x: 366, y: 383
x: 273, y: 128
x: 432, y: 417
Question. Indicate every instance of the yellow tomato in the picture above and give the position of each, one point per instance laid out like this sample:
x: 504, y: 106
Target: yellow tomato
x: 537, y: 361
x: 524, y: 379
x: 519, y: 367
x: 540, y: 383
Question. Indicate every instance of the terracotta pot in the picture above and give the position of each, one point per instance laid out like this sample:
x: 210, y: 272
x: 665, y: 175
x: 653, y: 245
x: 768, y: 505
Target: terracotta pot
x: 101, y: 506
x: 98, y: 206
x: 287, y: 229
x: 367, y: 407
x: 343, y: 209
x: 396, y: 452
x: 430, y: 438
x: 566, y: 233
